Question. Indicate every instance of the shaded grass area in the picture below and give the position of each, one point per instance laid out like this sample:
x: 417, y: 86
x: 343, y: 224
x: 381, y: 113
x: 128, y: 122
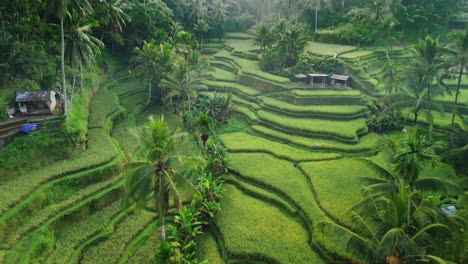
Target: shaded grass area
x: 341, y: 110
x: 126, y: 86
x: 123, y: 133
x: 145, y: 252
x: 134, y: 101
x: 208, y: 249
x: 70, y: 235
x: 261, y: 232
x: 356, y: 54
x: 325, y: 49
x: 101, y: 150
x: 365, y: 143
x: 346, y: 130
x: 241, y: 45
x: 441, y: 120
x: 102, y: 105
x: 110, y: 250
x: 243, y: 142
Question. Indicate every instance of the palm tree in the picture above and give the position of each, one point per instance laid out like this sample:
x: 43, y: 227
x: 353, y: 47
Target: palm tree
x: 292, y: 44
x: 408, y: 154
x: 183, y: 84
x: 316, y: 5
x: 160, y: 174
x: 264, y: 35
x: 60, y: 9
x: 82, y: 46
x: 459, y: 50
x: 147, y: 64
x: 198, y: 10
x: 380, y: 233
x: 112, y: 16
x: 202, y: 26
x: 391, y: 76
x: 415, y: 96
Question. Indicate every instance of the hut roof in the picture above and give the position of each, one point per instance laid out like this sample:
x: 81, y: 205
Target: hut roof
x: 340, y: 77
x: 34, y: 96
x: 318, y: 75
x: 301, y: 76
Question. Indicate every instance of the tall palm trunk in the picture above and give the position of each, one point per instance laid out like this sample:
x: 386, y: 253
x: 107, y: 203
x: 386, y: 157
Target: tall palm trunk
x: 415, y: 117
x: 457, y: 93
x: 316, y: 17
x: 160, y: 204
x: 149, y: 93
x: 81, y: 78
x: 64, y: 82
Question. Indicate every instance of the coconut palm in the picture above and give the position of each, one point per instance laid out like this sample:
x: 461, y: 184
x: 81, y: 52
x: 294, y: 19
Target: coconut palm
x: 415, y: 96
x: 82, y: 45
x: 202, y: 26
x: 160, y: 173
x: 459, y: 51
x: 380, y: 233
x: 183, y: 84
x: 316, y: 5
x: 408, y: 155
x: 148, y: 65
x: 292, y: 44
x: 264, y: 35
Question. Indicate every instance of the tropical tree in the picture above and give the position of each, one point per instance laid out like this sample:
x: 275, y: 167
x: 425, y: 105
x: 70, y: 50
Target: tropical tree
x: 392, y: 76
x: 183, y: 84
x: 202, y: 26
x: 264, y: 35
x: 459, y: 52
x: 414, y: 96
x: 111, y: 15
x: 315, y: 5
x: 292, y: 44
x: 160, y: 173
x: 380, y: 232
x: 82, y: 45
x: 408, y: 155
x: 150, y: 62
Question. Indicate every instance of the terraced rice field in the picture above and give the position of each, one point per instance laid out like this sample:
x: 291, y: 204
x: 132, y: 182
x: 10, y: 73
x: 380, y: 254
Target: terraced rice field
x: 291, y: 166
x: 272, y: 161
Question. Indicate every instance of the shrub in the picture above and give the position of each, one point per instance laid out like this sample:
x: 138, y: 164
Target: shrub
x: 3, y: 112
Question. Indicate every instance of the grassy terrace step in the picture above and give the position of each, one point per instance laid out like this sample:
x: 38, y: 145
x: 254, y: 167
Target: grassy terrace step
x: 48, y: 212
x: 256, y: 231
x: 230, y: 67
x: 145, y: 252
x: 228, y: 87
x: 365, y: 143
x: 238, y: 35
x: 251, y: 67
x: 39, y: 239
x: 131, y: 102
x: 127, y: 86
x: 208, y: 249
x: 70, y: 236
x: 247, y: 112
x: 241, y: 45
x: 139, y: 241
x: 317, y: 100
x: 110, y: 250
x: 279, y: 176
x: 101, y: 151
x: 336, y: 184
x: 325, y: 49
x: 243, y: 142
x: 325, y: 111
x: 261, y: 194
x: 344, y: 130
x: 220, y: 74
x: 325, y: 93
x: 103, y: 104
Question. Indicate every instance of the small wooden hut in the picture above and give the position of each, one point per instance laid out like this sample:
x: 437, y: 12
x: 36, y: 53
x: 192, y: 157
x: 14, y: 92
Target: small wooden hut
x: 318, y: 79
x: 36, y: 102
x: 342, y: 80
